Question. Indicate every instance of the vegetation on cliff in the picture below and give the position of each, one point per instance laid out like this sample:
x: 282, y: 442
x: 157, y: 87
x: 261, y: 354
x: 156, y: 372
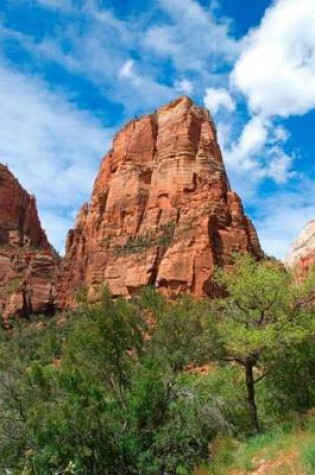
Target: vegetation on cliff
x: 149, y: 385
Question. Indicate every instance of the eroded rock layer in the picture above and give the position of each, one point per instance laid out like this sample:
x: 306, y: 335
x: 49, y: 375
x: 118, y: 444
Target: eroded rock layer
x: 301, y: 255
x: 162, y: 211
x: 27, y: 261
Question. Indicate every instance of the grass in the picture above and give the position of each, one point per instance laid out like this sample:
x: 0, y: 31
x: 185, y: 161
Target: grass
x: 285, y: 450
x: 308, y: 457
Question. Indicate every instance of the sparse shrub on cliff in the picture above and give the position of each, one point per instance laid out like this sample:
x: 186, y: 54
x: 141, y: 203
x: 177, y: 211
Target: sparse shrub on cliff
x: 139, y: 244
x: 135, y: 245
x: 165, y: 234
x: 14, y: 285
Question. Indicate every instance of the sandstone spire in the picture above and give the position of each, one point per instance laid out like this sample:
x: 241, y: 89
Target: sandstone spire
x: 162, y: 211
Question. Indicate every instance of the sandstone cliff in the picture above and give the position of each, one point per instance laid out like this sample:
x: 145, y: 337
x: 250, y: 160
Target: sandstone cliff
x: 162, y: 211
x: 27, y: 261
x: 301, y: 255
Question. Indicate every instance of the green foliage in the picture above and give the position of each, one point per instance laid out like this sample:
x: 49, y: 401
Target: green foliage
x: 226, y: 384
x: 117, y: 388
x: 263, y: 312
x: 191, y: 343
x: 175, y: 418
x: 308, y: 458
x: 80, y: 294
x: 290, y: 385
x: 165, y: 234
x: 257, y: 308
x: 135, y: 245
x: 139, y: 244
x: 103, y: 393
x: 12, y: 286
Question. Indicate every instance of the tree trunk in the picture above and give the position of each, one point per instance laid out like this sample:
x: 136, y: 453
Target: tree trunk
x: 250, y: 397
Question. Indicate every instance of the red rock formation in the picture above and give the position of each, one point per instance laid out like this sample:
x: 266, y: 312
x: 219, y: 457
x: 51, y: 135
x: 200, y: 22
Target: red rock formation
x: 27, y: 262
x: 162, y: 211
x: 301, y: 255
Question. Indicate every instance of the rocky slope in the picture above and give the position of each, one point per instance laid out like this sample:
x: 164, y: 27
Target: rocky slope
x: 27, y: 261
x: 301, y: 255
x: 162, y: 211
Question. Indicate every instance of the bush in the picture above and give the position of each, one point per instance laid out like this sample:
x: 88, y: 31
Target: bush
x: 106, y: 394
x: 117, y: 388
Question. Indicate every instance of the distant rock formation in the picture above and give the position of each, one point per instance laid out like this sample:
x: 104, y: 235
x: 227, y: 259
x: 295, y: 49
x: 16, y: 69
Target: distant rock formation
x: 27, y: 261
x: 161, y: 213
x: 301, y: 255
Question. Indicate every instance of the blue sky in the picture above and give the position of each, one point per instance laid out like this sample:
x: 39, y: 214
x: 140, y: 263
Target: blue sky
x: 73, y: 71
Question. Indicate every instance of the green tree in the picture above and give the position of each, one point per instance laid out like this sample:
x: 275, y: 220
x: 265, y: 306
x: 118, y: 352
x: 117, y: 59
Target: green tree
x: 108, y: 391
x: 180, y: 336
x: 264, y: 311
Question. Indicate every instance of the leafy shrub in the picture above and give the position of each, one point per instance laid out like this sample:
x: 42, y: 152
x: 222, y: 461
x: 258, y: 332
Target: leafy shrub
x: 103, y: 393
x: 117, y: 388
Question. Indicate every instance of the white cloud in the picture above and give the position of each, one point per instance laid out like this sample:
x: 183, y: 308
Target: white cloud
x: 256, y: 155
x: 281, y: 134
x: 252, y: 139
x: 275, y: 72
x: 279, y: 168
x: 90, y: 52
x: 184, y: 86
x: 98, y: 44
x: 193, y: 38
x: 276, y: 68
x: 127, y: 72
x: 52, y: 147
x: 216, y: 99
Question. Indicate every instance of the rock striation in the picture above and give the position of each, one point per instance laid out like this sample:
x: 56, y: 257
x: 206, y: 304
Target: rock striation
x: 28, y: 264
x: 301, y: 255
x: 161, y: 213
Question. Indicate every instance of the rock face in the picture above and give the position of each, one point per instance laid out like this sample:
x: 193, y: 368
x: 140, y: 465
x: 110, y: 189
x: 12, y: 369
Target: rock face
x: 162, y: 211
x: 301, y: 255
x: 27, y: 261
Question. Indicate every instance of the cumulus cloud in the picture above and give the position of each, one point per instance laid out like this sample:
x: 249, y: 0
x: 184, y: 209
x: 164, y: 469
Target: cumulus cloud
x: 90, y: 52
x: 256, y: 155
x: 52, y: 147
x: 253, y: 138
x: 275, y: 72
x: 216, y: 99
x: 184, y: 86
x: 193, y: 38
x: 189, y: 37
x: 276, y: 68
